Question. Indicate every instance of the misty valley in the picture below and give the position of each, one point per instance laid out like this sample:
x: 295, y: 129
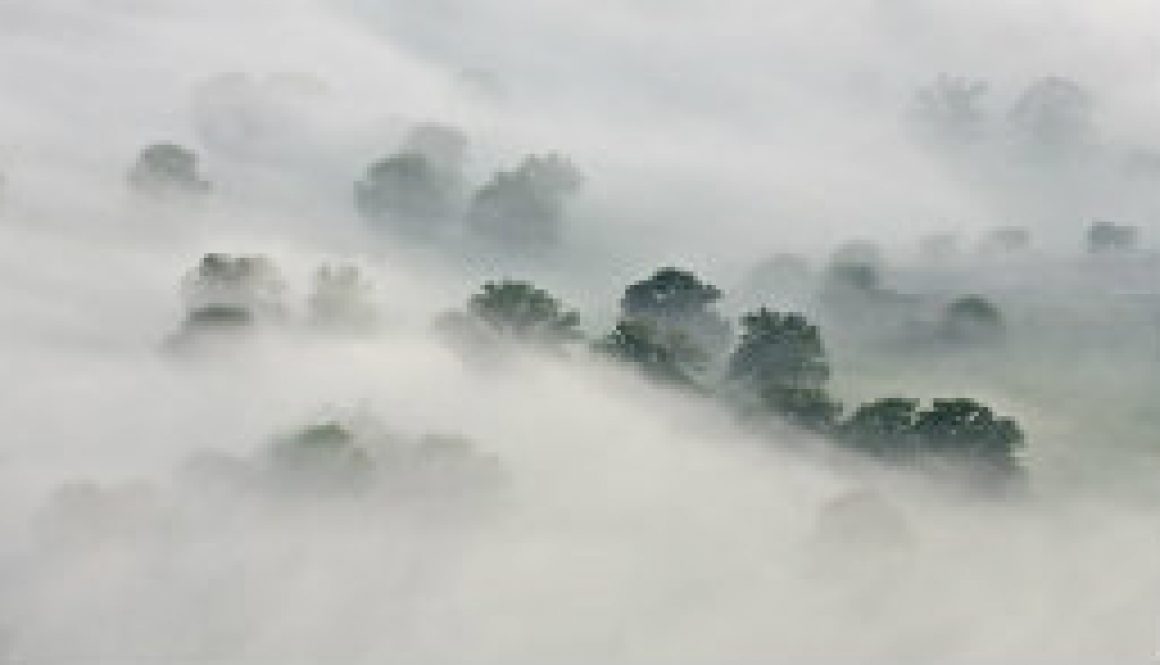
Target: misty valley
x: 489, y: 331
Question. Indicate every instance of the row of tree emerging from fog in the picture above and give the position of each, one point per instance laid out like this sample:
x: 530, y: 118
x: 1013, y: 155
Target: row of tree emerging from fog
x: 771, y: 368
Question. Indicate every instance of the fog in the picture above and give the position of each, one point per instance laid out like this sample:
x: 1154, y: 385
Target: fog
x: 502, y: 502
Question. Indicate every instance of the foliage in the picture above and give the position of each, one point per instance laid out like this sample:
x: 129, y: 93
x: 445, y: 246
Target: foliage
x: 522, y: 210
x: 679, y: 306
x: 972, y: 318
x: 966, y: 429
x: 407, y: 190
x: 167, y: 169
x: 956, y: 429
x: 341, y: 298
x: 520, y: 311
x: 780, y: 363
x: 779, y: 349
x: 225, y: 281
x: 884, y: 427
x: 638, y: 343
x: 1104, y: 237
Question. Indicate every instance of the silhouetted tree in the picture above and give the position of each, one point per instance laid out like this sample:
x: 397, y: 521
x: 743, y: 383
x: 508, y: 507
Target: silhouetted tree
x: 407, y: 192
x: 781, y: 361
x: 522, y: 210
x: 855, y: 270
x: 514, y: 311
x: 884, y: 427
x: 779, y: 349
x: 1106, y: 237
x: 167, y: 169
x: 640, y: 344
x: 968, y: 430
x: 677, y: 304
x: 341, y: 298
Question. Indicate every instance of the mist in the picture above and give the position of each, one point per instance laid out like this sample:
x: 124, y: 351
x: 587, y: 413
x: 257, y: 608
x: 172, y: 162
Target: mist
x: 260, y: 407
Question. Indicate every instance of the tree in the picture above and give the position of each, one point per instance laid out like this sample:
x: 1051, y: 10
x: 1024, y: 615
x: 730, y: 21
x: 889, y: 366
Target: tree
x: 967, y: 430
x: 780, y: 362
x: 325, y: 456
x: 972, y: 319
x: 951, y: 108
x: 1007, y: 240
x: 884, y: 428
x: 638, y: 343
x: 522, y: 210
x: 677, y: 304
x: 516, y: 311
x: 167, y: 169
x: 779, y: 349
x: 1108, y: 237
x: 407, y: 191
x: 226, y: 291
x: 1052, y: 116
x: 342, y: 298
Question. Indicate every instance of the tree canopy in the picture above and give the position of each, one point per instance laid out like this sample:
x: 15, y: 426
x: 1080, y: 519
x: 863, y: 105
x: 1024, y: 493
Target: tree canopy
x: 167, y: 169
x: 522, y: 210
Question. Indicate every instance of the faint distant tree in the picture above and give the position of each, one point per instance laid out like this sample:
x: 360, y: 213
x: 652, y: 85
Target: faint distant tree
x: 782, y: 349
x: 1007, y: 240
x: 167, y: 169
x: 226, y: 291
x: 322, y: 457
x: 640, y: 344
x: 1108, y: 237
x: 522, y: 210
x: 677, y: 304
x: 855, y: 270
x: 955, y: 430
x: 781, y: 362
x: 950, y: 108
x: 884, y: 428
x: 408, y: 193
x: 1053, y: 116
x: 341, y: 298
x: 972, y: 319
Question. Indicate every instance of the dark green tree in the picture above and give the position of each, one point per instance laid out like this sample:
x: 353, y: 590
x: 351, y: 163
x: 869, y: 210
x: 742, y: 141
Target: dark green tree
x: 884, y: 427
x: 638, y: 343
x: 965, y: 429
x: 522, y: 210
x: 167, y: 169
x: 678, y: 305
x: 513, y: 311
x: 781, y: 362
x: 779, y: 349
